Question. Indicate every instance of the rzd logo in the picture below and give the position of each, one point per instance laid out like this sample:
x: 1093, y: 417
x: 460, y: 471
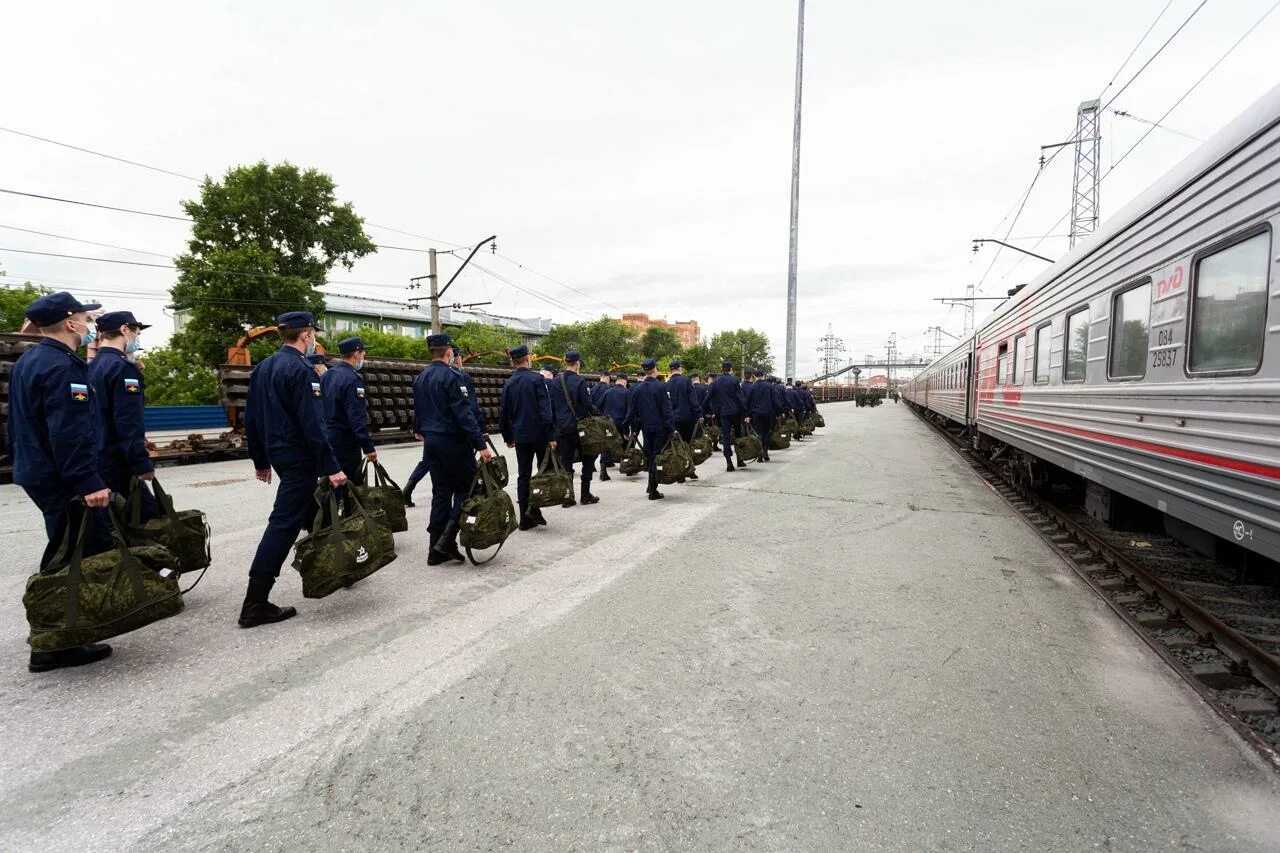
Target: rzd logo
x: 362, y: 555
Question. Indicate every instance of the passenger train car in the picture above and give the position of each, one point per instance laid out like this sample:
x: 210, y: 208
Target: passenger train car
x: 1147, y: 360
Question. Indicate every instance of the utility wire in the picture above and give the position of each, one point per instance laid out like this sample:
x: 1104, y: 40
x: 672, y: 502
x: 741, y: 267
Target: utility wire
x: 561, y: 283
x: 98, y: 153
x: 1141, y: 120
x: 99, y: 206
x: 1116, y: 76
x: 87, y: 242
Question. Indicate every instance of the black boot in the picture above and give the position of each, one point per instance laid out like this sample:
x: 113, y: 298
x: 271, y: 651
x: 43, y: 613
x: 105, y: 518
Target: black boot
x: 79, y: 656
x: 693, y: 475
x: 434, y: 557
x: 586, y: 498
x: 569, y: 501
x: 604, y: 475
x: 536, y: 513
x: 257, y: 610
x: 728, y: 464
x: 527, y: 521
x: 446, y: 547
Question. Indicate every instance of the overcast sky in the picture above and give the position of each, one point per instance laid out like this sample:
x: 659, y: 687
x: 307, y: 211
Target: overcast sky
x: 638, y: 152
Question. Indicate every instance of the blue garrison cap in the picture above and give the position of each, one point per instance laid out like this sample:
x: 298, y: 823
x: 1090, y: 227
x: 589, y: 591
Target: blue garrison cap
x: 675, y: 362
x: 56, y: 307
x: 572, y: 357
x: 648, y: 364
x: 758, y: 372
x: 346, y: 346
x: 298, y: 320
x: 726, y: 364
x: 518, y: 353
x: 443, y: 339
x: 113, y: 320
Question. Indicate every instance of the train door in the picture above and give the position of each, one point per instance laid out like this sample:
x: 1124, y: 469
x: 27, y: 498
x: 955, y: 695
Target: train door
x: 969, y: 385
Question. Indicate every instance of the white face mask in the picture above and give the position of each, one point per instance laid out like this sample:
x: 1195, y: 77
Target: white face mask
x: 359, y: 365
x: 89, y: 335
x: 311, y: 345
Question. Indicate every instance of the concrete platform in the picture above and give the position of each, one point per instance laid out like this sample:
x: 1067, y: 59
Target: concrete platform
x: 792, y: 657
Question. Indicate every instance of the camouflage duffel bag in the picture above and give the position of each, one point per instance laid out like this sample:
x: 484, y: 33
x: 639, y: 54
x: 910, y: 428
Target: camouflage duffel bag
x: 342, y: 549
x: 748, y: 446
x: 779, y: 438
x: 806, y: 426
x: 497, y: 466
x: 552, y: 485
x: 381, y: 494
x: 633, y: 460
x: 102, y: 596
x: 700, y: 445
x: 713, y: 433
x: 819, y: 421
x: 792, y: 426
x: 185, y: 533
x: 597, y: 434
x: 674, y: 462
x: 488, y: 517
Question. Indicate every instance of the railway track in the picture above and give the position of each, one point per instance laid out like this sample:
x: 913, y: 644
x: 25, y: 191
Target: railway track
x: 1212, y: 634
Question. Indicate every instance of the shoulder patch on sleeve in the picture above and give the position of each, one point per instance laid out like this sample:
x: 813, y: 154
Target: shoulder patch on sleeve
x: 315, y: 389
x: 79, y: 392
x: 132, y: 385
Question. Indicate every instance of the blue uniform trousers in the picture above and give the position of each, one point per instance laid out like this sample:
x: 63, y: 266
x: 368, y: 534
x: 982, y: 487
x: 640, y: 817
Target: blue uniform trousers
x: 654, y: 442
x: 763, y: 425
x: 60, y: 513
x: 419, y: 471
x: 350, y: 459
x: 452, y: 464
x: 525, y: 454
x: 686, y: 428
x: 294, y: 509
x: 729, y: 426
x: 567, y: 446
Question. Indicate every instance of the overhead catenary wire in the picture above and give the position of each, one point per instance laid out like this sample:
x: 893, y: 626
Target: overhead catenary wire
x: 86, y: 242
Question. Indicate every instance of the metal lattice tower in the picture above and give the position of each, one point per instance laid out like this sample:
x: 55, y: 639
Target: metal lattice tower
x: 831, y: 348
x: 1084, y: 187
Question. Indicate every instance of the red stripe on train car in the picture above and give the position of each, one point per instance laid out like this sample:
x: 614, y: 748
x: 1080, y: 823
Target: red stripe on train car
x: 1269, y: 471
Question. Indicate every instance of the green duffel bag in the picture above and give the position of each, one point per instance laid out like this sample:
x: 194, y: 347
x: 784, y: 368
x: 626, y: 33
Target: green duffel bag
x: 779, y: 438
x: 633, y: 460
x: 806, y: 426
x: 185, y: 533
x: 342, y: 549
x: 552, y: 485
x: 713, y: 433
x: 674, y: 462
x: 700, y: 445
x: 748, y: 445
x: 819, y: 421
x: 497, y: 466
x: 792, y: 426
x: 381, y: 495
x: 103, y: 596
x: 596, y: 433
x: 488, y: 517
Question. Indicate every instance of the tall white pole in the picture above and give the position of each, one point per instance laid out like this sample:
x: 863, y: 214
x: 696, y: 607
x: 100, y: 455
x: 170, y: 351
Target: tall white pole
x: 795, y: 204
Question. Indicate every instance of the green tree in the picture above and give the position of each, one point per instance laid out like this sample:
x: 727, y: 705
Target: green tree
x: 659, y: 343
x: 174, y: 380
x: 475, y: 337
x: 14, y: 302
x: 379, y: 344
x: 262, y: 239
x: 699, y: 359
x: 744, y: 347
x: 603, y: 343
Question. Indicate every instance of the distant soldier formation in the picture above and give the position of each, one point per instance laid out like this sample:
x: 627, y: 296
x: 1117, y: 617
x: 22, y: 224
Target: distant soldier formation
x: 78, y: 441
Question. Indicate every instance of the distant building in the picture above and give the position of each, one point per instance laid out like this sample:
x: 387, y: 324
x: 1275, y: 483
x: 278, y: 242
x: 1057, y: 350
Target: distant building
x: 353, y: 313
x: 687, y: 331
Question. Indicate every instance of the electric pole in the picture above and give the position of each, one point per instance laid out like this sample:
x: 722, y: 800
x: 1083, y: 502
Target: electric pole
x: 434, y: 290
x: 434, y: 277
x: 890, y: 353
x: 831, y: 349
x: 1087, y: 142
x: 795, y: 204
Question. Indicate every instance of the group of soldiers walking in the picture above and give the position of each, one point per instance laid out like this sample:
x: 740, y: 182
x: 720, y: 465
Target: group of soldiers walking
x: 76, y: 432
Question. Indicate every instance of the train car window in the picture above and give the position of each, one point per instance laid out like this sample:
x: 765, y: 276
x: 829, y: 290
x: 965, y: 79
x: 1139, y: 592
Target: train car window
x: 1130, y: 332
x: 1002, y: 364
x: 1076, y: 346
x: 1044, y: 340
x: 1020, y: 360
x: 1229, y: 308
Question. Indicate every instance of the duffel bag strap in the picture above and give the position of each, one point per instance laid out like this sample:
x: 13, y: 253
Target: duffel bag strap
x: 127, y: 562
x: 162, y: 498
x: 381, y: 477
x: 564, y: 386
x: 74, y: 544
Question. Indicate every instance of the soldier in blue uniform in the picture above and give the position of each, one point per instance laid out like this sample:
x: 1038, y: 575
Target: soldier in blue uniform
x: 760, y: 407
x: 346, y: 410
x: 685, y: 407
x: 726, y: 400
x: 794, y: 406
x: 779, y: 400
x: 54, y: 441
x: 614, y: 406
x: 284, y: 426
x: 651, y: 414
x: 119, y: 396
x: 570, y: 402
x: 451, y: 436
x: 524, y: 419
x: 603, y: 384
x: 420, y: 470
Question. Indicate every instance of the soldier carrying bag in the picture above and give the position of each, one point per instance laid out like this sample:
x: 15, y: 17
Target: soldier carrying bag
x: 184, y: 533
x: 596, y: 433
x: 674, y: 462
x: 381, y: 494
x: 748, y: 446
x: 103, y: 596
x: 700, y: 445
x: 633, y: 459
x: 552, y: 485
x: 779, y: 438
x: 342, y: 549
x: 488, y: 516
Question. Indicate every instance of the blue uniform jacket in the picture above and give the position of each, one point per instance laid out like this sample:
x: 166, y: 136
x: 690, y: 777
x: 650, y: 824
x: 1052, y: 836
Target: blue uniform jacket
x: 475, y: 401
x: 119, y: 398
x: 759, y: 398
x: 284, y: 415
x: 684, y: 402
x: 700, y: 392
x: 54, y: 434
x: 779, y: 398
x: 577, y: 396
x: 616, y: 401
x: 793, y: 401
x: 442, y: 406
x: 524, y: 414
x: 346, y: 411
x: 809, y: 404
x: 651, y: 407
x: 725, y: 397
x: 598, y: 392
